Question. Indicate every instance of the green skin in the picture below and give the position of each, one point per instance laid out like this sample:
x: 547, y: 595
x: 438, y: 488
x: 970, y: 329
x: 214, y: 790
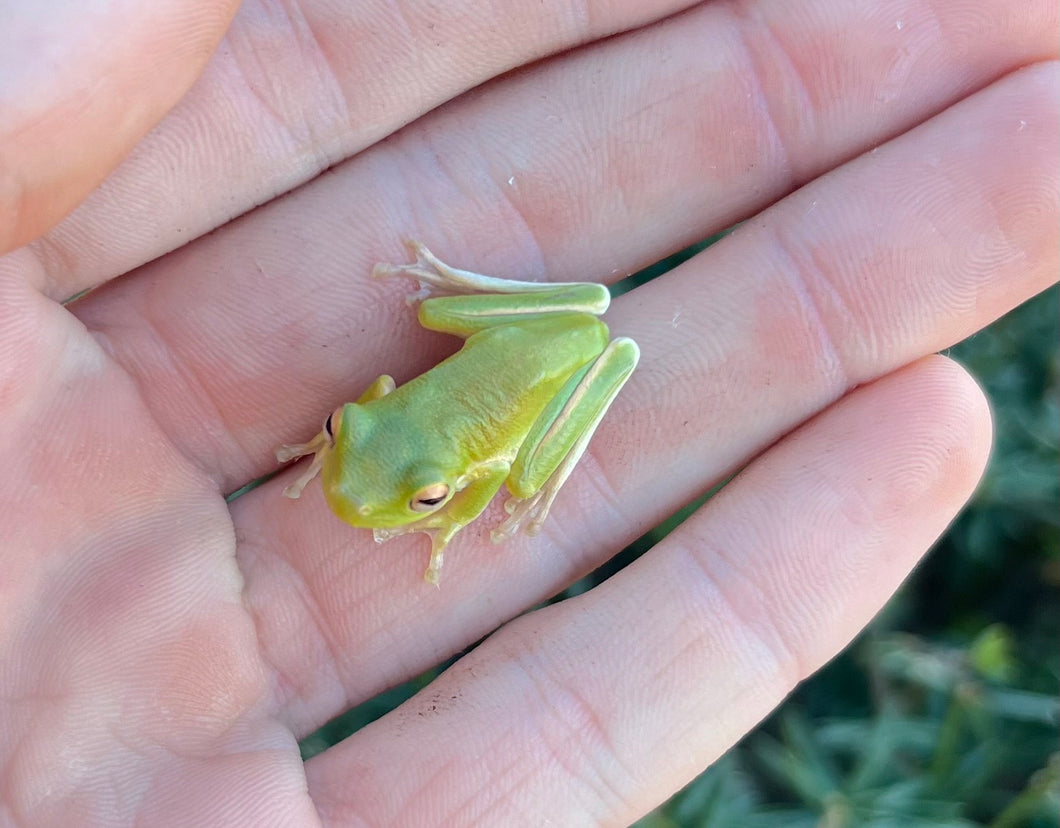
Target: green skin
x: 516, y: 405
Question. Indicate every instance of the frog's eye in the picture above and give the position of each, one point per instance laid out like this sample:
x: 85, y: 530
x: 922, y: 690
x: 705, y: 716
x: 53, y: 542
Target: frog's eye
x: 429, y: 497
x: 332, y: 423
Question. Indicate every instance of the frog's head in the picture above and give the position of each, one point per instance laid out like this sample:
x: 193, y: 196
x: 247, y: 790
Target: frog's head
x: 374, y: 476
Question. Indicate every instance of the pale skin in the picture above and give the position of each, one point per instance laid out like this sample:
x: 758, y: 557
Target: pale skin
x: 516, y: 406
x: 162, y: 650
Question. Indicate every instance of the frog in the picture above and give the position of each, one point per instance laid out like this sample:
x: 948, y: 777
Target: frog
x: 514, y: 407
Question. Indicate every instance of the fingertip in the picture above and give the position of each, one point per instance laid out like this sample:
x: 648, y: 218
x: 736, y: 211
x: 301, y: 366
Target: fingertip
x: 964, y: 423
x: 80, y: 86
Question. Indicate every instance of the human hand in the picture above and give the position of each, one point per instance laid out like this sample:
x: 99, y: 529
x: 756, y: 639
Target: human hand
x: 162, y: 651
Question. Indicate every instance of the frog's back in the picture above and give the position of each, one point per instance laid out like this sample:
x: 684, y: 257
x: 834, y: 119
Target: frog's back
x: 491, y: 391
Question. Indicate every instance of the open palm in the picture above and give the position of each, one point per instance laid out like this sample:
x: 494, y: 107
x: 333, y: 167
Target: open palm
x: 162, y: 651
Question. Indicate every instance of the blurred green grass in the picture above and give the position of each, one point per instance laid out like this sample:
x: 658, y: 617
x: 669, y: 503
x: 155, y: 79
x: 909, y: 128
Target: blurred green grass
x: 945, y: 711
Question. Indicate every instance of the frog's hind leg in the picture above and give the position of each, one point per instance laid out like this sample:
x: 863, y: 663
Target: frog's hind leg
x: 470, y: 302
x: 560, y: 436
x: 439, y: 279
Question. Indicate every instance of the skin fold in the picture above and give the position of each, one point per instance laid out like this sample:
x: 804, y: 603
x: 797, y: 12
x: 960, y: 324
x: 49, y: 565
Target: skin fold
x: 225, y: 185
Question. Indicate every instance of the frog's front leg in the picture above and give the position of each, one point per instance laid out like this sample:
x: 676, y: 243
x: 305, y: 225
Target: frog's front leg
x: 560, y: 436
x: 475, y: 490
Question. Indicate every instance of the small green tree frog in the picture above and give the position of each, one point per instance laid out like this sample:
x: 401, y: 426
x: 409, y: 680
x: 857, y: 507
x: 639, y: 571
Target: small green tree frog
x: 516, y: 405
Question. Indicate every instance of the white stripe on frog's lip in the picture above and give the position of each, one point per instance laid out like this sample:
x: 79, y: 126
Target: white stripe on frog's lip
x: 358, y: 505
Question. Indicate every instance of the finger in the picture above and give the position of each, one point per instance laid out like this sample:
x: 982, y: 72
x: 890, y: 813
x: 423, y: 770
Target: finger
x: 891, y: 257
x: 594, y: 710
x: 244, y: 339
x: 293, y: 93
x: 80, y: 84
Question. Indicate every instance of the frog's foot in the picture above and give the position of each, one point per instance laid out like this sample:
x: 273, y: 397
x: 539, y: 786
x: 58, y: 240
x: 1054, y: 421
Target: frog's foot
x: 434, y: 569
x: 528, y: 514
x: 383, y: 535
x: 430, y: 279
x: 436, y: 278
x: 318, y: 447
x: 439, y: 540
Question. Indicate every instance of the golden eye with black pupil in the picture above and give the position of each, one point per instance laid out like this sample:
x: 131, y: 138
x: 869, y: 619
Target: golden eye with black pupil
x: 429, y: 497
x: 333, y: 423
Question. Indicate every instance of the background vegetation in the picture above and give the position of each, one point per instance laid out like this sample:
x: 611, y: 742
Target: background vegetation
x: 945, y: 711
